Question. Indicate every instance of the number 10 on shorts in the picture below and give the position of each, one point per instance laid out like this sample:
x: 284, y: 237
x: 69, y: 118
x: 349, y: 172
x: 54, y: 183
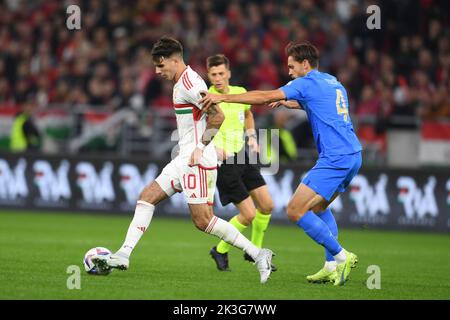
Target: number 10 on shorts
x: 189, y: 181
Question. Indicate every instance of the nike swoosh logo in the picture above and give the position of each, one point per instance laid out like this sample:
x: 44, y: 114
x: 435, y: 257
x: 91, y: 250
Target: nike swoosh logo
x: 342, y: 275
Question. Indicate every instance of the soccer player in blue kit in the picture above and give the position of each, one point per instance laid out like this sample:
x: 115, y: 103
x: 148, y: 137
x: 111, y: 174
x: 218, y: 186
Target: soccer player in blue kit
x: 325, y: 101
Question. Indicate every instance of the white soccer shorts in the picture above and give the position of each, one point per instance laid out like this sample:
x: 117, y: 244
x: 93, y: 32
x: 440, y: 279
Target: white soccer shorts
x: 198, y: 183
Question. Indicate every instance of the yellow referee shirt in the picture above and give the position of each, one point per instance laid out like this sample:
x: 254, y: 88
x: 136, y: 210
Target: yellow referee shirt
x: 231, y: 133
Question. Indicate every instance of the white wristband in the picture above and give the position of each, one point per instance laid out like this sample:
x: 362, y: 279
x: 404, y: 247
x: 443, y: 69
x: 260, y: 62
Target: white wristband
x: 201, y: 146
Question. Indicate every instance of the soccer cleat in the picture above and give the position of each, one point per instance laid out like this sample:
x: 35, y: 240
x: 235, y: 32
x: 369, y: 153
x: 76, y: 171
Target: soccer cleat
x: 221, y: 259
x: 105, y: 262
x: 249, y: 258
x: 343, y: 269
x: 263, y: 263
x: 354, y: 261
x: 322, y: 276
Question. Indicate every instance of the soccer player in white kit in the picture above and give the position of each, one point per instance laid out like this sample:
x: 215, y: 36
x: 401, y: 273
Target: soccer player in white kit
x: 193, y: 171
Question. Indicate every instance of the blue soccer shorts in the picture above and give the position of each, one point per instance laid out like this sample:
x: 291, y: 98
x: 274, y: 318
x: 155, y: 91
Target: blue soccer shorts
x: 333, y: 174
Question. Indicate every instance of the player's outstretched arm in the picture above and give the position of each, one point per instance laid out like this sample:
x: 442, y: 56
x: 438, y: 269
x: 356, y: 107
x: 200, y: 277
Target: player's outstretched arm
x: 213, y: 122
x: 290, y: 104
x: 250, y: 97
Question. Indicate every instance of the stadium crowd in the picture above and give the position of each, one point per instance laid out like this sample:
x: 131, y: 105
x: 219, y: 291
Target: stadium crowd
x: 400, y: 69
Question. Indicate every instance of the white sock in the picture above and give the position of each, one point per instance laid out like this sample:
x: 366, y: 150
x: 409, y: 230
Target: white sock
x: 228, y: 233
x: 330, y: 265
x: 340, y: 257
x: 142, y: 217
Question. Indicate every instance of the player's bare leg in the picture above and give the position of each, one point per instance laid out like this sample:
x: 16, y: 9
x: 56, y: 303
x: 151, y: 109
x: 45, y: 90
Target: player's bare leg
x: 204, y: 219
x: 247, y: 211
x: 303, y: 199
x: 149, y: 197
x: 298, y: 210
x: 262, y: 199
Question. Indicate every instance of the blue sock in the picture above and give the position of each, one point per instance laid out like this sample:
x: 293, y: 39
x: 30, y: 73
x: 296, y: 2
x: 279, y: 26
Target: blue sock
x: 328, y: 218
x: 318, y: 230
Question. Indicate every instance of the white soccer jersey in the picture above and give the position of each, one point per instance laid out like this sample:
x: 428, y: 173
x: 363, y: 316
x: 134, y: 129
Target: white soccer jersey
x: 198, y: 183
x: 191, y: 122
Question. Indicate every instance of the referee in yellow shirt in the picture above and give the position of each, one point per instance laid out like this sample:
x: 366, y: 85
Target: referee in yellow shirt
x: 239, y: 183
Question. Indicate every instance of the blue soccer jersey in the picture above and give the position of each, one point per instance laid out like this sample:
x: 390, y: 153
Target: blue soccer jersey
x: 325, y: 101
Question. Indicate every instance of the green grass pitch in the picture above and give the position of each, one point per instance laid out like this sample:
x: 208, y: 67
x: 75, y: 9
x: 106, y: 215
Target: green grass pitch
x: 172, y: 262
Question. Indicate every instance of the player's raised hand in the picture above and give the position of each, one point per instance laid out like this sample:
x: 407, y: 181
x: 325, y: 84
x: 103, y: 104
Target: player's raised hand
x: 275, y: 104
x: 195, y: 157
x: 253, y: 144
x: 209, y: 99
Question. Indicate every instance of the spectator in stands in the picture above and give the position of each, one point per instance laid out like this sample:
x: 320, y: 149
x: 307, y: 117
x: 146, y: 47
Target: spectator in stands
x: 106, y: 64
x: 370, y: 102
x: 24, y: 134
x: 128, y: 97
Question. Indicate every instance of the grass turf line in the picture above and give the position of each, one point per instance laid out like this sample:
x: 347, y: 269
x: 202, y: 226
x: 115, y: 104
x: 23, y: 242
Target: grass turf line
x: 172, y: 262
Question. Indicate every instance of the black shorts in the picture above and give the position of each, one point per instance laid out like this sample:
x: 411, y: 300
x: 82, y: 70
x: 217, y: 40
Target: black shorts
x: 235, y: 181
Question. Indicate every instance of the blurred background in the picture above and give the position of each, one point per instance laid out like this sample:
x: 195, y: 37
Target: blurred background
x: 85, y: 124
x: 95, y: 90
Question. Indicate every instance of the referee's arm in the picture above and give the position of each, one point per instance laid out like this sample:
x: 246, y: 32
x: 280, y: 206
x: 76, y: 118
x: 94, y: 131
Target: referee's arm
x: 249, y: 123
x: 250, y: 131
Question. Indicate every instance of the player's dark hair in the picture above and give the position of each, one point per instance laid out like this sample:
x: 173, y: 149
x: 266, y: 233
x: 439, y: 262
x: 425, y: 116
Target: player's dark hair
x: 303, y: 51
x: 165, y: 48
x: 217, y: 60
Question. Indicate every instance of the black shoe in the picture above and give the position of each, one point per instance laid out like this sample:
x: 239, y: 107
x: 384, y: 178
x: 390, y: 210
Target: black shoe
x: 248, y: 258
x: 221, y: 259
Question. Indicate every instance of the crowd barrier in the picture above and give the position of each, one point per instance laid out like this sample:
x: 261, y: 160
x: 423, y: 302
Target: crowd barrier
x: 377, y: 198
